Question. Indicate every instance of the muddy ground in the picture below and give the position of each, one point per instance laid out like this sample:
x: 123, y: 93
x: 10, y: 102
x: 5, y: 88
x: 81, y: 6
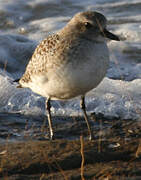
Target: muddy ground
x: 114, y: 154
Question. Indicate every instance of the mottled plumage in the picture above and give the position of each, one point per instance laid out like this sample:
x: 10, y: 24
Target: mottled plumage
x: 71, y: 62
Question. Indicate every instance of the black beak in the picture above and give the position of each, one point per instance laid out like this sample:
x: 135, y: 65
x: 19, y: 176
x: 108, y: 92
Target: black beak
x: 109, y: 35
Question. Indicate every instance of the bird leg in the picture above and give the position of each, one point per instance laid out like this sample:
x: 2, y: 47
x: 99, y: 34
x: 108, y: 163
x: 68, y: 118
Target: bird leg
x: 48, y: 106
x: 83, y: 107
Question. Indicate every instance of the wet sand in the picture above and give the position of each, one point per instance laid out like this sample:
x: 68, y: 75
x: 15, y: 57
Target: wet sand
x: 114, y: 155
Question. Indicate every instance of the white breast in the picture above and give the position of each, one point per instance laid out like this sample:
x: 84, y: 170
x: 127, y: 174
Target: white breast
x: 78, y: 78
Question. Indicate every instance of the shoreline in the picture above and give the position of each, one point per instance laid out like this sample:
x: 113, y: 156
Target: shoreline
x: 114, y: 155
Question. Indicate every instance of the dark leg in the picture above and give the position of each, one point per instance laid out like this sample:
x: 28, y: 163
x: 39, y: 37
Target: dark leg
x: 48, y: 106
x: 82, y: 105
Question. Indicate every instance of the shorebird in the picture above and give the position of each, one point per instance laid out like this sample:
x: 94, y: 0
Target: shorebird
x: 70, y: 62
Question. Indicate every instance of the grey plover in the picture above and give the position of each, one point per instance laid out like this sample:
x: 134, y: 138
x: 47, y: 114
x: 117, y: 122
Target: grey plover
x: 71, y: 62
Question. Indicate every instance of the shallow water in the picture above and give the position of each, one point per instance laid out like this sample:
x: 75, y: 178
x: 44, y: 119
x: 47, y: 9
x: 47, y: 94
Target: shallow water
x: 23, y: 24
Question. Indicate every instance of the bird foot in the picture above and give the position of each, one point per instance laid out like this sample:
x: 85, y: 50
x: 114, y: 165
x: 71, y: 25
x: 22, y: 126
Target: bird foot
x: 91, y: 137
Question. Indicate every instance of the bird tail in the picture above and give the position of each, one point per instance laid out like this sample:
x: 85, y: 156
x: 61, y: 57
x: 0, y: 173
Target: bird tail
x: 16, y: 80
x: 19, y: 85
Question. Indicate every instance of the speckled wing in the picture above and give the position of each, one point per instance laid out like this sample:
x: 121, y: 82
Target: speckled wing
x: 41, y: 58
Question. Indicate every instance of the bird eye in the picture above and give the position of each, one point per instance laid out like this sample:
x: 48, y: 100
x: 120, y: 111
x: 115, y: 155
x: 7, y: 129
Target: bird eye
x: 88, y: 25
